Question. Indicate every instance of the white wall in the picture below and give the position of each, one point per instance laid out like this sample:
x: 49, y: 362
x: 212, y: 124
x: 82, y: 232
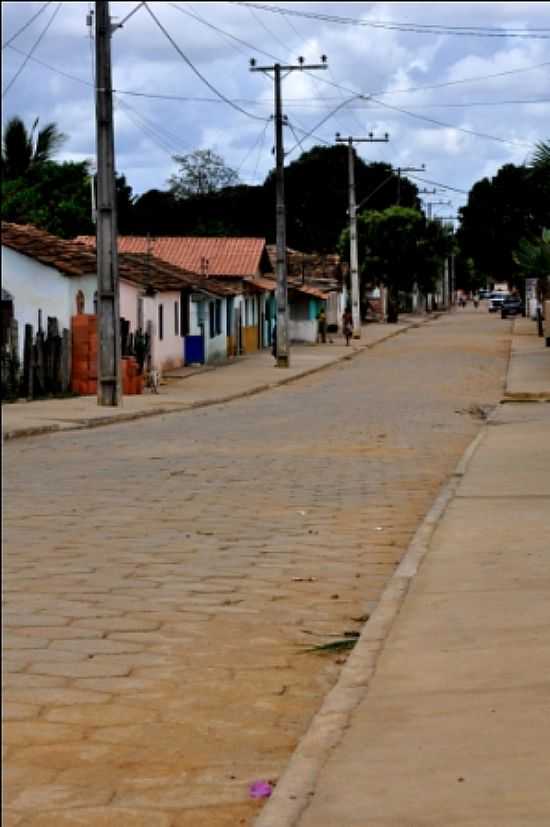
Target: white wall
x: 35, y: 286
x: 302, y: 330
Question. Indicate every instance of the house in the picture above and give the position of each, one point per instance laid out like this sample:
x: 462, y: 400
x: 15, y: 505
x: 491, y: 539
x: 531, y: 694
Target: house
x: 46, y: 276
x: 314, y: 281
x: 244, y: 324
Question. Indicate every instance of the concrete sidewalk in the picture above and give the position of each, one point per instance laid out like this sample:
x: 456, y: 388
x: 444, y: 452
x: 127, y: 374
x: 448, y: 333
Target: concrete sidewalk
x: 194, y: 388
x: 441, y: 715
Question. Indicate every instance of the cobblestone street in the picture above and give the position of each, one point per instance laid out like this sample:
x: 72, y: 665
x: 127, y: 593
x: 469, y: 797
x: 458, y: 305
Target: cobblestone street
x: 163, y: 577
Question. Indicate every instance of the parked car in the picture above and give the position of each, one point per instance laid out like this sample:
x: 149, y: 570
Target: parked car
x: 484, y: 294
x: 511, y: 306
x: 495, y: 301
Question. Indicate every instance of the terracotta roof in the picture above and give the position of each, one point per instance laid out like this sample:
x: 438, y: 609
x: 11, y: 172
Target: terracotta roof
x: 75, y: 259
x: 66, y: 256
x: 308, y: 289
x: 225, y: 256
x: 150, y: 271
x: 262, y: 283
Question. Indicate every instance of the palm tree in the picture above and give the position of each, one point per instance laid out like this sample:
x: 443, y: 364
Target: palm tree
x: 23, y: 150
x: 541, y: 157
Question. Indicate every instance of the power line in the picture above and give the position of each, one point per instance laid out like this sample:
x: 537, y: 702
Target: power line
x: 416, y: 28
x: 464, y: 80
x: 35, y: 46
x: 51, y: 68
x: 27, y: 24
x: 196, y: 71
x: 451, y: 126
x: 325, y: 119
x: 438, y: 184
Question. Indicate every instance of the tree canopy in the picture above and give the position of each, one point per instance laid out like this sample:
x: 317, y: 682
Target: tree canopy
x: 24, y: 150
x: 200, y: 173
x: 501, y: 211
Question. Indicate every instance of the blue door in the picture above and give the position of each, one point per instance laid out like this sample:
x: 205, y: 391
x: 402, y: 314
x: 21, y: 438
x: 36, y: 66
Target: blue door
x: 194, y: 350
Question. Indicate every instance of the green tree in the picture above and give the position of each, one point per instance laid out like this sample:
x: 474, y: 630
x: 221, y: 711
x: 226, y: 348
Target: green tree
x: 24, y: 150
x: 200, y: 173
x: 533, y: 256
x: 502, y: 210
x: 388, y: 249
x: 540, y: 161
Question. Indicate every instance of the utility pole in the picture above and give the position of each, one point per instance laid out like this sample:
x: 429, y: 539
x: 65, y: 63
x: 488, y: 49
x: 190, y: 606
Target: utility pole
x: 353, y: 252
x: 108, y: 325
x: 406, y: 169
x: 283, y: 348
x: 430, y: 204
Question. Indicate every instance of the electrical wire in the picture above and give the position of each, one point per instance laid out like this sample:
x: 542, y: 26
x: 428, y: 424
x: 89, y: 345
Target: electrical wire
x: 325, y: 119
x: 451, y: 126
x: 34, y: 47
x: 27, y: 24
x: 416, y: 28
x: 50, y: 67
x: 196, y: 71
x: 436, y: 184
x: 269, y: 32
x: 256, y: 143
x: 169, y: 141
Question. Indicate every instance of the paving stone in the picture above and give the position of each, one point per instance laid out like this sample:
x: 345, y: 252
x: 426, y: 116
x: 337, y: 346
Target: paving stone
x: 201, y: 586
x: 100, y: 817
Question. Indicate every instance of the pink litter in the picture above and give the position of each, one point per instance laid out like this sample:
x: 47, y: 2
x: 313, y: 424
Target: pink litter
x: 260, y: 789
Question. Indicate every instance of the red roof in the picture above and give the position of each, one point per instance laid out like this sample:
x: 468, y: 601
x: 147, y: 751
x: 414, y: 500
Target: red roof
x: 224, y: 256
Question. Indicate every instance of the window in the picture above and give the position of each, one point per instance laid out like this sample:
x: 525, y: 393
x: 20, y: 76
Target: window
x: 218, y: 317
x: 229, y: 317
x: 176, y: 318
x: 161, y: 322
x: 212, y: 319
x: 140, y: 313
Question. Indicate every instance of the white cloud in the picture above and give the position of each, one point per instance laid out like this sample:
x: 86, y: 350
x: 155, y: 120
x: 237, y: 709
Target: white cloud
x: 359, y: 58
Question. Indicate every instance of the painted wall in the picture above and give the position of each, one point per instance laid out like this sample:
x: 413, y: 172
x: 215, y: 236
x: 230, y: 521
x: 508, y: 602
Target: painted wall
x: 215, y: 347
x: 37, y: 287
x: 301, y: 328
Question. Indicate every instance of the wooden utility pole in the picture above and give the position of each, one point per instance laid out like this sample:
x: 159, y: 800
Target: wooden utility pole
x: 108, y: 326
x: 283, y: 345
x: 353, y: 252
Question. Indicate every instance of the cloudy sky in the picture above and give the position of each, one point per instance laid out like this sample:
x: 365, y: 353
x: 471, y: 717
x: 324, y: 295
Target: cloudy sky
x: 460, y: 87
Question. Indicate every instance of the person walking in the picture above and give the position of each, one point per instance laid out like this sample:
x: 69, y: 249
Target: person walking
x: 347, y: 325
x: 322, y: 326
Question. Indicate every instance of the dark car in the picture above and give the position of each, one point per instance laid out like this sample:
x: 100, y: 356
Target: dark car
x: 511, y: 306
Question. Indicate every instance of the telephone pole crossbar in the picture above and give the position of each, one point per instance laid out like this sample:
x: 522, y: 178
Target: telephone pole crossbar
x: 353, y: 251
x: 283, y: 348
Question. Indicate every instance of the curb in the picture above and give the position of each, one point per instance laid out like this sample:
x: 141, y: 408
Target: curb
x: 188, y: 406
x: 296, y: 786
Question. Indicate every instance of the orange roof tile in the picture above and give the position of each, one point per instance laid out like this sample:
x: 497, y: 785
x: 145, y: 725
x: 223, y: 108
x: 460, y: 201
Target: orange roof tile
x: 219, y: 257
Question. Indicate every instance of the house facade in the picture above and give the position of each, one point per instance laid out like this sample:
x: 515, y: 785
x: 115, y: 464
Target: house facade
x: 241, y: 324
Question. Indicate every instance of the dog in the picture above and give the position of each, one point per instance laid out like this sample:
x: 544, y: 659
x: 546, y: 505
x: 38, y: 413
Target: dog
x: 153, y: 380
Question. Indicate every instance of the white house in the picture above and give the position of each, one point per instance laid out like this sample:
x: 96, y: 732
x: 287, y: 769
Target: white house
x: 46, y: 276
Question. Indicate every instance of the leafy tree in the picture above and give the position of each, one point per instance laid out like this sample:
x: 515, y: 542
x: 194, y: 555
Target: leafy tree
x: 201, y: 172
x: 540, y: 161
x: 435, y: 244
x: 24, y: 150
x: 533, y: 257
x: 387, y: 245
x: 317, y: 195
x: 512, y: 205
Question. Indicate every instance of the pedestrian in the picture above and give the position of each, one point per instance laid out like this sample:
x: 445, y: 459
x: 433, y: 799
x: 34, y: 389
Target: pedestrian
x: 322, y: 326
x: 274, y: 341
x: 347, y: 325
